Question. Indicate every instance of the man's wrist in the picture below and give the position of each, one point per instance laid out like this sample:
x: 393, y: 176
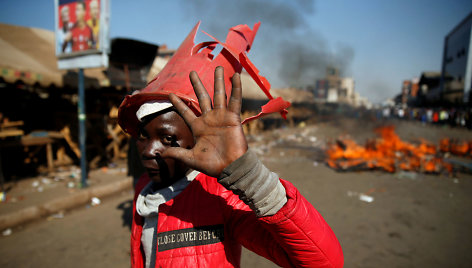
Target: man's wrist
x: 255, y: 185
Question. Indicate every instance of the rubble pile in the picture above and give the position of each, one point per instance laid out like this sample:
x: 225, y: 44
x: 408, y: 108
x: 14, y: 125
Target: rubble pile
x: 288, y: 142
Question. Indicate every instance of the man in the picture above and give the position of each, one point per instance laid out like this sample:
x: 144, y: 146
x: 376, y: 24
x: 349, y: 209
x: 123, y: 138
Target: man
x: 94, y: 21
x: 82, y: 37
x: 205, y: 192
x: 64, y: 32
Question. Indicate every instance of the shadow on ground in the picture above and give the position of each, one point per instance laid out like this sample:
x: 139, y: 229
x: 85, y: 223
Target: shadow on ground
x: 127, y: 210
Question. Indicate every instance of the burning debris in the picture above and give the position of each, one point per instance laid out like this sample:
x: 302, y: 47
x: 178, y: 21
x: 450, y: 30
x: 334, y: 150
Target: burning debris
x: 456, y: 147
x: 389, y: 153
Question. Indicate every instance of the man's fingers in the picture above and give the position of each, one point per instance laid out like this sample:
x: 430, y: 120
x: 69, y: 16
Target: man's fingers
x: 234, y: 104
x: 202, y: 95
x: 182, y: 108
x: 183, y: 155
x: 219, y: 96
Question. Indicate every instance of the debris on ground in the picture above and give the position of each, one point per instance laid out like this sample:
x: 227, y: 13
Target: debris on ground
x: 406, y: 175
x: 389, y: 153
x: 7, y: 232
x: 366, y: 198
x: 59, y: 215
x: 361, y: 196
x: 95, y: 201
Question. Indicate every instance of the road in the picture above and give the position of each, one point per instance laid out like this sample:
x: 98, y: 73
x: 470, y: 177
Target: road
x: 415, y: 220
x: 85, y: 237
x: 89, y: 236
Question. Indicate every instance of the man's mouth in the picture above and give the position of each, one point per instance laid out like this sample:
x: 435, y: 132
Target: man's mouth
x: 163, y: 168
x: 153, y: 172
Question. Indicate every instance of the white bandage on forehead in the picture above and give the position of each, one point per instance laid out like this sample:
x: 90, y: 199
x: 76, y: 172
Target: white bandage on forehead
x: 151, y: 108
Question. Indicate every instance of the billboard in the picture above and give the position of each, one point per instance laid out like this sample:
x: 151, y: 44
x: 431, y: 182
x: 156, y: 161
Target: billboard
x: 82, y: 39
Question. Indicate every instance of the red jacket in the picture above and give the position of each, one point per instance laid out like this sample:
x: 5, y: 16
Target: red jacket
x: 206, y: 224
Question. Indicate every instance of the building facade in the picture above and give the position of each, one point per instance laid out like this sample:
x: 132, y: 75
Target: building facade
x: 456, y: 71
x: 336, y: 89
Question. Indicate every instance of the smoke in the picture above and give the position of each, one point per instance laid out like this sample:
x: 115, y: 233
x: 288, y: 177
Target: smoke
x: 304, y: 61
x: 286, y: 49
x: 380, y: 90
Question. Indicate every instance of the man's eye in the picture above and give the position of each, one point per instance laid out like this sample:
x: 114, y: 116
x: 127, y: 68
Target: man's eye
x: 168, y: 139
x: 171, y: 140
x: 142, y: 136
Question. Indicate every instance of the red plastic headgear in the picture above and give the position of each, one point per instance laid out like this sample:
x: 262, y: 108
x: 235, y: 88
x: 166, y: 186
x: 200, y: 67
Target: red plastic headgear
x: 174, y: 77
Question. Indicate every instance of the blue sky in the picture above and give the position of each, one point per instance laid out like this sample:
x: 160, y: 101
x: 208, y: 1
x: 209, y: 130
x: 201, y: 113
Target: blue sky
x: 378, y: 43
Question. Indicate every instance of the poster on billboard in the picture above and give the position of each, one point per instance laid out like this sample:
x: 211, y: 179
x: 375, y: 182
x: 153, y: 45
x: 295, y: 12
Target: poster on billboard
x: 82, y: 27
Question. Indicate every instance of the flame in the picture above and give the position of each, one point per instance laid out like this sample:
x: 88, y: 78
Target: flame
x: 390, y: 153
x: 455, y: 147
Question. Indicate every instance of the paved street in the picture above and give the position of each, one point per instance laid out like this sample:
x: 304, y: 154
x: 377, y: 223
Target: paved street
x: 85, y: 237
x: 414, y: 219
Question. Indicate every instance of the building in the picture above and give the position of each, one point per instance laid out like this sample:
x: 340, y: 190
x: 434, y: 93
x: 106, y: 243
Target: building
x: 456, y: 71
x: 332, y: 96
x: 326, y: 89
x: 415, y: 86
x: 406, y: 87
x: 320, y: 91
x: 336, y: 89
x: 409, y: 92
x: 429, y: 93
x: 40, y: 98
x: 346, y: 90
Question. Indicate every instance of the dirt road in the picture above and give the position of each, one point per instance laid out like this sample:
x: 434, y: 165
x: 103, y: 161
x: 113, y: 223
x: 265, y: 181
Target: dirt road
x: 85, y: 237
x: 414, y: 220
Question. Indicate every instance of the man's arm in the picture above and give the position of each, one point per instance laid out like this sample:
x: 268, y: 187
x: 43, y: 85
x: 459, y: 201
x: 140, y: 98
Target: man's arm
x: 255, y: 184
x: 288, y: 230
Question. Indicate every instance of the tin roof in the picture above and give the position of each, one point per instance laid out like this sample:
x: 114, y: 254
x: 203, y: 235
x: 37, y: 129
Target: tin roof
x: 27, y: 54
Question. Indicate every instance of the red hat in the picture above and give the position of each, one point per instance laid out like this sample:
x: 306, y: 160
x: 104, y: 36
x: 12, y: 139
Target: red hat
x: 174, y: 77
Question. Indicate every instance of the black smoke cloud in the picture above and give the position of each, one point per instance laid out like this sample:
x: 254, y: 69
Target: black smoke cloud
x: 286, y: 49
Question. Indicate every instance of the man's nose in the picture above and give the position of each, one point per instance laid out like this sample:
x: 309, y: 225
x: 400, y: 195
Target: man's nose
x: 152, y: 149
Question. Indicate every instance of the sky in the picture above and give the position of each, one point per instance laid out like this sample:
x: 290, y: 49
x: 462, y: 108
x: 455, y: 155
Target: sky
x: 377, y: 43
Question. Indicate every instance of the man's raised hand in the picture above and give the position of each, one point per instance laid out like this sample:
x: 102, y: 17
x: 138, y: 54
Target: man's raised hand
x: 219, y: 137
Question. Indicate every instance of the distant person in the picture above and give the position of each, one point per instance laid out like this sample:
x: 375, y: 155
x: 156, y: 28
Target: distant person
x: 94, y: 21
x: 435, y: 117
x: 82, y: 35
x: 386, y: 112
x: 443, y: 116
x: 401, y: 113
x: 429, y: 115
x: 64, y: 33
x: 424, y: 117
x: 205, y: 193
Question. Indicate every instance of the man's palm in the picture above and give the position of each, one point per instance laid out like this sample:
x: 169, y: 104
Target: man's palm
x: 218, y: 132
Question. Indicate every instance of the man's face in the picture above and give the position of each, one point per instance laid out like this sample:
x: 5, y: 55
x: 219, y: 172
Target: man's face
x: 164, y: 131
x: 94, y: 9
x: 79, y: 12
x: 65, y: 15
